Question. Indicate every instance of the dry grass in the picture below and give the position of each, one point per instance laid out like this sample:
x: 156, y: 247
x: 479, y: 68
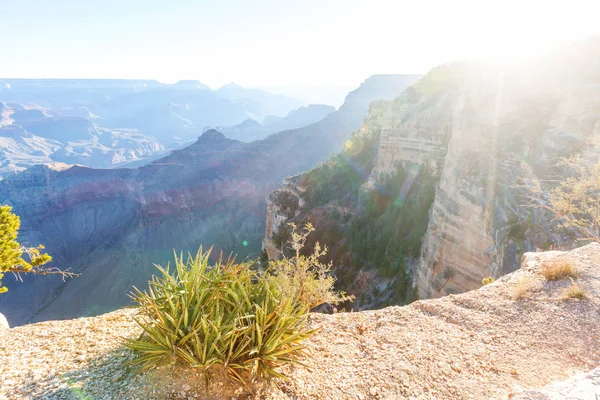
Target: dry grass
x: 574, y: 292
x: 524, y: 286
x: 487, y: 281
x: 555, y: 270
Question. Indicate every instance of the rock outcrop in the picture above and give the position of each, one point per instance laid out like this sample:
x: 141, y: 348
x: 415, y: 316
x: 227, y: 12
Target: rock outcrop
x: 280, y: 213
x: 484, y: 344
x: 582, y: 386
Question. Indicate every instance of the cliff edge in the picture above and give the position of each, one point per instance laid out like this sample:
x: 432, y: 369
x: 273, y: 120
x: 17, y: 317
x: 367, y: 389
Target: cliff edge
x: 502, y: 341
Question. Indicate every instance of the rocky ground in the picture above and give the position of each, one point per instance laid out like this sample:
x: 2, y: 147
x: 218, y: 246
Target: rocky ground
x: 505, y: 340
x: 584, y: 386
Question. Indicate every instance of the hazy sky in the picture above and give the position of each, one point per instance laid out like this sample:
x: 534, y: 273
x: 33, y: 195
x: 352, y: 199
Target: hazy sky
x: 274, y: 42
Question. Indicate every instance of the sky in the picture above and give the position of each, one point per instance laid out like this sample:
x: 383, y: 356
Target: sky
x: 275, y: 43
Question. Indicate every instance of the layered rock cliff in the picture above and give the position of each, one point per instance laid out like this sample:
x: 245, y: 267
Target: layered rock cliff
x: 506, y: 125
x: 476, y: 129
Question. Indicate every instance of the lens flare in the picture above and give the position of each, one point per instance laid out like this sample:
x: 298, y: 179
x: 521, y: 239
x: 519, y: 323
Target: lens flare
x: 412, y: 174
x: 353, y: 146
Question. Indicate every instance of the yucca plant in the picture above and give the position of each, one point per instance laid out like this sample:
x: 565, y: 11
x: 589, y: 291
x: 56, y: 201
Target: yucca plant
x: 224, y: 317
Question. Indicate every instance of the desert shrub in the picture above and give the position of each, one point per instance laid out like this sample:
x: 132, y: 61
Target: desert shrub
x: 572, y: 197
x: 488, y: 280
x: 224, y: 318
x: 574, y: 292
x: 305, y: 278
x: 523, y: 287
x: 555, y: 270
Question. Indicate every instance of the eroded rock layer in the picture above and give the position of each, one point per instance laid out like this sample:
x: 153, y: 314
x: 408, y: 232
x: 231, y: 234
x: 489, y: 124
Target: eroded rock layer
x: 479, y: 130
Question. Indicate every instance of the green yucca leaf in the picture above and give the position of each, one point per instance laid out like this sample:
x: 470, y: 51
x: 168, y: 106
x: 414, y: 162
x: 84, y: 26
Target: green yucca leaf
x: 146, y: 347
x: 155, y: 334
x: 288, y: 350
x: 187, y: 357
x: 273, y: 373
x: 197, y: 344
x: 187, y: 337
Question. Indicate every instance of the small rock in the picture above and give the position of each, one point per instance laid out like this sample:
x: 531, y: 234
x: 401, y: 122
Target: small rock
x: 3, y: 322
x: 373, y: 391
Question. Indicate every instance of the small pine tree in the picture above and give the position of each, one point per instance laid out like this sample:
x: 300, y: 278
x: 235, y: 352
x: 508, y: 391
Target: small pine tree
x: 16, y: 258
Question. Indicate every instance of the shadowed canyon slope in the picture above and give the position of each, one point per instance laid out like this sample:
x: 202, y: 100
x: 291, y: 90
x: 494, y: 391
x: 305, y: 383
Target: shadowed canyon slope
x: 112, y: 225
x: 427, y: 190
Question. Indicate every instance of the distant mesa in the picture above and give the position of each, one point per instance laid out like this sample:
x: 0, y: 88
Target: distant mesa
x: 212, y: 134
x: 250, y: 129
x: 231, y: 85
x: 248, y: 123
x: 191, y: 84
x: 14, y: 131
x: 24, y: 116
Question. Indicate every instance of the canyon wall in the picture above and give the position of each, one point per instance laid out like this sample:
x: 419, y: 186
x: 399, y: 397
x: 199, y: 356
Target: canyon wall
x: 505, y: 127
x: 479, y: 129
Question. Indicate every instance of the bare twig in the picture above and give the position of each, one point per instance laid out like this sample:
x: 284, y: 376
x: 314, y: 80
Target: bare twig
x: 42, y: 271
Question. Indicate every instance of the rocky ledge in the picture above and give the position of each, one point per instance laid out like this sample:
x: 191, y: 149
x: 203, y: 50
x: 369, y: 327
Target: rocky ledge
x: 509, y: 339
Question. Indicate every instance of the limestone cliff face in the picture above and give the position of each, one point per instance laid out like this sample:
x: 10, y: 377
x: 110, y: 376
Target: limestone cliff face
x: 414, y: 128
x: 484, y: 129
x: 503, y: 128
x: 479, y: 128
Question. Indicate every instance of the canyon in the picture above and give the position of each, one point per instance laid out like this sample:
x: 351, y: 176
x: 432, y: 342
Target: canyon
x: 112, y: 225
x: 423, y: 200
x: 110, y: 123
